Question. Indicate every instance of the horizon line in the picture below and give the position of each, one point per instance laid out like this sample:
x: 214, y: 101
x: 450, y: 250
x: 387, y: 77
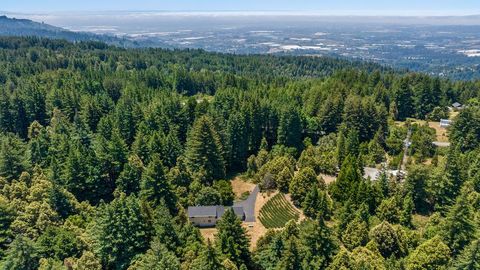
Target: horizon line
x: 326, y: 13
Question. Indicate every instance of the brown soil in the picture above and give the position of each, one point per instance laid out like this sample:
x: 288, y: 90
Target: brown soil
x: 256, y: 229
x: 328, y: 178
x: 441, y: 132
x: 240, y: 186
x: 208, y: 233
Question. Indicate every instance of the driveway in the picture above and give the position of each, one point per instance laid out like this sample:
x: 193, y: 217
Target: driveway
x: 249, y: 205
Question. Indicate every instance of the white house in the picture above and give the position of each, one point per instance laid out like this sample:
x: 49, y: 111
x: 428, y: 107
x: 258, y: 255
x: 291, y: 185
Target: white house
x: 207, y: 216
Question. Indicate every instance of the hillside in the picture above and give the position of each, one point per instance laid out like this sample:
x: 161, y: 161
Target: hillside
x: 24, y: 27
x: 104, y: 149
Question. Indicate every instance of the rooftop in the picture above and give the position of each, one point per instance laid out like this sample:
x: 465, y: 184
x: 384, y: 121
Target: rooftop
x: 213, y: 211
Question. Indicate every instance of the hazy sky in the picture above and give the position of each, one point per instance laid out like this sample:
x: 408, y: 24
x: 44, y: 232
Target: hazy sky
x: 353, y: 7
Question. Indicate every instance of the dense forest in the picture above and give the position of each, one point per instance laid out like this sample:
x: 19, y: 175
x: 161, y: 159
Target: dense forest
x: 102, y: 150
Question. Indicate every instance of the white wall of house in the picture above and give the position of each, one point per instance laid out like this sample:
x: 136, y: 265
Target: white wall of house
x: 204, y: 221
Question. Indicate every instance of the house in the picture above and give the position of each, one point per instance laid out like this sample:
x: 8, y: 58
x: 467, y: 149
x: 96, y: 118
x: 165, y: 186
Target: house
x: 445, y: 123
x: 457, y: 106
x: 207, y: 216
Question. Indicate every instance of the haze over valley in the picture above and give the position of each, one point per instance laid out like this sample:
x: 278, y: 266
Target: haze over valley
x: 447, y: 46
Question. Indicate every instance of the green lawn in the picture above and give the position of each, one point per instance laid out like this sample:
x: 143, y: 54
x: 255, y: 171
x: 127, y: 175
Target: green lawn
x: 277, y: 212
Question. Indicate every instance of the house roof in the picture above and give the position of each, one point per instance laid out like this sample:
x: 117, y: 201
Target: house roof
x: 213, y: 211
x: 238, y: 210
x: 457, y: 104
x: 445, y: 121
x: 202, y: 211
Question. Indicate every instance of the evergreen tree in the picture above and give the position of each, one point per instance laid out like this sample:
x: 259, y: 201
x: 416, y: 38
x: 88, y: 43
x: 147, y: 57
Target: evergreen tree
x: 407, y: 211
x: 387, y: 240
x: 319, y: 245
x: 291, y: 259
x: 129, y: 180
x: 348, y: 180
x: 469, y: 259
x: 290, y: 129
x: 207, y: 260
x: 6, y: 218
x: 342, y: 261
x: 204, y: 150
x: 158, y: 257
x: 12, y: 157
x: 451, y: 182
x: 231, y: 239
x: 355, y: 234
x: 22, y: 254
x: 403, y: 99
x: 431, y: 255
x: 155, y: 187
x: 458, y: 229
x: 237, y: 141
x: 120, y: 232
x: 340, y: 153
x: 416, y: 185
x: 352, y: 144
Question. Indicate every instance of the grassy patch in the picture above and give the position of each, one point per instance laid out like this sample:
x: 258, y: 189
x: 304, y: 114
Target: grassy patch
x: 244, y: 195
x: 277, y: 212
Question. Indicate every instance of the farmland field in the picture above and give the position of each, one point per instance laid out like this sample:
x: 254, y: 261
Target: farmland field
x: 277, y: 212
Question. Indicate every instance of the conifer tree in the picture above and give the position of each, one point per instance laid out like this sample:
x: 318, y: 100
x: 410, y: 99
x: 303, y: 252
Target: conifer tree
x: 157, y: 257
x: 237, y: 142
x: 469, y: 259
x: 451, y: 182
x: 319, y: 245
x: 208, y: 259
x: 155, y: 187
x: 458, y: 228
x: 289, y: 129
x: 204, y: 150
x: 21, y: 254
x: 231, y: 239
x: 348, y: 180
x: 12, y: 157
x: 433, y: 254
x: 291, y: 258
x: 120, y: 232
x: 129, y: 180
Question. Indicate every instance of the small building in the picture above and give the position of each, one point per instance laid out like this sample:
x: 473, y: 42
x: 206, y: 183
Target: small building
x: 208, y: 216
x: 457, y: 106
x: 445, y: 123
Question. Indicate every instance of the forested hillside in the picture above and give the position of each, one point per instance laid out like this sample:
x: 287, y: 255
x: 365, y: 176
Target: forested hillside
x: 24, y: 27
x: 102, y: 150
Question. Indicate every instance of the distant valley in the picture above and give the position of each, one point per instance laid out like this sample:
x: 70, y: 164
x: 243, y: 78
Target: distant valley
x: 440, y: 46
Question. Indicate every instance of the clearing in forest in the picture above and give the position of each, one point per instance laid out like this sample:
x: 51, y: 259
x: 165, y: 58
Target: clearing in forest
x: 277, y: 212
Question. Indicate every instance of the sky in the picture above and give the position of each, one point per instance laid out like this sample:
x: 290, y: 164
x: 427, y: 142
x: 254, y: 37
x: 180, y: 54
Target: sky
x: 337, y: 7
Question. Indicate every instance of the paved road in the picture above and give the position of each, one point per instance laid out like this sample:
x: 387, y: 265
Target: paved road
x: 249, y: 205
x: 407, y: 144
x: 441, y: 144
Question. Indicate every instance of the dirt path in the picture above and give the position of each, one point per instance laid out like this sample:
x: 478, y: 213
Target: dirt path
x: 240, y: 186
x: 256, y: 229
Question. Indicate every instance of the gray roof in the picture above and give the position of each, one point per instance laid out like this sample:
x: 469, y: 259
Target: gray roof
x: 202, y: 211
x: 238, y: 210
x: 213, y: 211
x: 457, y: 104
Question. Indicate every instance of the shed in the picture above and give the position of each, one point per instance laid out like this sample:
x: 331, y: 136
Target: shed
x: 457, y: 106
x: 445, y: 123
